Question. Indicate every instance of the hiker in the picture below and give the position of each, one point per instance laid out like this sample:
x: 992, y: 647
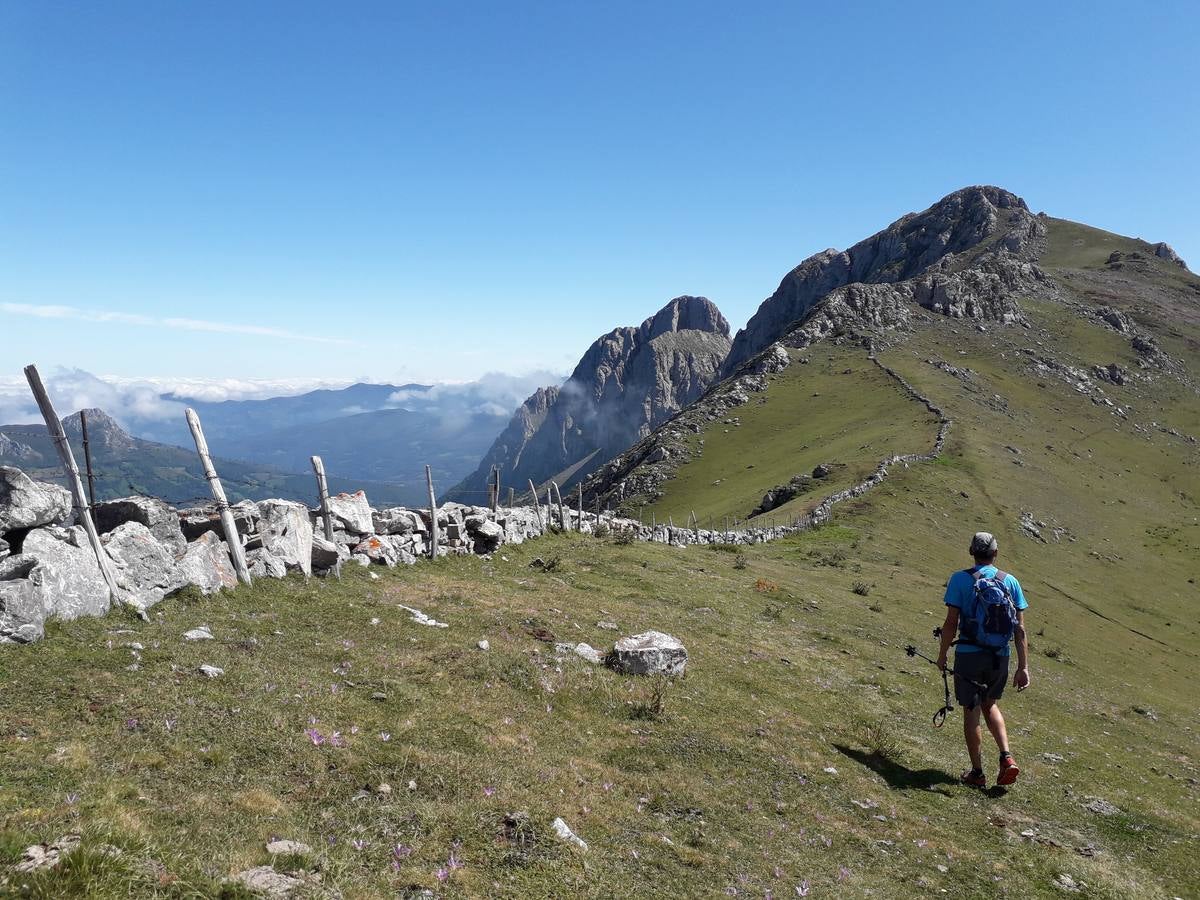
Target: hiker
x: 985, y: 609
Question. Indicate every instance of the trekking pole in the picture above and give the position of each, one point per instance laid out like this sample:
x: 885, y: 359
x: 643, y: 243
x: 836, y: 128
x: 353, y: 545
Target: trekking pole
x: 939, y: 717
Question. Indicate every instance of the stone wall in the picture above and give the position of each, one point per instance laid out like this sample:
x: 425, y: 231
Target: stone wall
x: 47, y: 569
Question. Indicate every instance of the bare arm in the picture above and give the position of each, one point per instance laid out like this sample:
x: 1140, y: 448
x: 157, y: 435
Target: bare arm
x: 949, y: 630
x: 1021, y: 676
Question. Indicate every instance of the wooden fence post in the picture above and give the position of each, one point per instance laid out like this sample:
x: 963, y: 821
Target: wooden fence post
x: 562, y: 516
x: 83, y: 511
x: 496, y: 489
x: 87, y: 459
x: 537, y: 505
x: 581, y: 507
x: 227, y: 524
x: 512, y: 496
x: 433, y: 523
x: 326, y: 517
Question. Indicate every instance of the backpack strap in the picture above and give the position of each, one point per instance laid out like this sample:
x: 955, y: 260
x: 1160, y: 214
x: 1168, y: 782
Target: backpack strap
x: 1001, y: 576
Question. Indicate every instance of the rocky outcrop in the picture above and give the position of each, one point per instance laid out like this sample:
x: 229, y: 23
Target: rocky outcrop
x: 54, y: 575
x: 628, y: 382
x: 649, y: 653
x: 982, y: 228
x: 1165, y: 251
x: 206, y: 564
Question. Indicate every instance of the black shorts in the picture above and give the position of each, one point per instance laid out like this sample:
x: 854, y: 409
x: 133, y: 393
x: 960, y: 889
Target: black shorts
x: 973, y: 671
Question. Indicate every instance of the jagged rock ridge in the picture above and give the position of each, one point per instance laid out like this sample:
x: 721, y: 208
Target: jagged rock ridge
x: 628, y: 383
x: 919, y: 258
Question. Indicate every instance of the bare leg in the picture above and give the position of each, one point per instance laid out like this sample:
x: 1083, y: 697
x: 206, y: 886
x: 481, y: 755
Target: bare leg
x: 971, y: 733
x: 995, y: 724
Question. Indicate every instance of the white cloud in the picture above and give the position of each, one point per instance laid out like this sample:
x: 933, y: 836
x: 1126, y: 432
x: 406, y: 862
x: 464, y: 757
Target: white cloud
x: 110, y: 316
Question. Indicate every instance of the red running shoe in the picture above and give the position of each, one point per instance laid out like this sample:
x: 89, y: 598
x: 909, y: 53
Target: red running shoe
x: 1008, y: 771
x: 974, y: 778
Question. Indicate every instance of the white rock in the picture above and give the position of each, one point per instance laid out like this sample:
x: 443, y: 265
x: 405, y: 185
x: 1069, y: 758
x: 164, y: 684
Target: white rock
x: 590, y: 653
x: 484, y: 645
x: 198, y: 634
x: 421, y: 619
x: 279, y: 848
x: 211, y: 671
x: 830, y: 770
x: 650, y: 653
x: 265, y: 880
x: 564, y: 833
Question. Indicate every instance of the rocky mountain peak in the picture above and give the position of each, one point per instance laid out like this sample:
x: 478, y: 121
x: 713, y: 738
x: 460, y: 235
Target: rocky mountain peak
x: 627, y: 383
x: 686, y: 313
x: 103, y: 430
x: 975, y: 220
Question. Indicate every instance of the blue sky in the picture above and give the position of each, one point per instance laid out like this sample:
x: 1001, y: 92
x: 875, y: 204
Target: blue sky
x: 430, y: 192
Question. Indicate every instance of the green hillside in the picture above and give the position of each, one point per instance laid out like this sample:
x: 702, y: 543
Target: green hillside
x: 796, y: 758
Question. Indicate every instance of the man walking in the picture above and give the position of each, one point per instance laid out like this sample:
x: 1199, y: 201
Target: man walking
x: 985, y: 609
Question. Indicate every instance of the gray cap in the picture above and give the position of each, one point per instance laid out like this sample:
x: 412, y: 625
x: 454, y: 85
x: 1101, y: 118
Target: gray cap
x: 983, y: 544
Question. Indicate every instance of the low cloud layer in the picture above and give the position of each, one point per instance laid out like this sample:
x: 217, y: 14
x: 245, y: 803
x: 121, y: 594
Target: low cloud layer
x: 139, y: 403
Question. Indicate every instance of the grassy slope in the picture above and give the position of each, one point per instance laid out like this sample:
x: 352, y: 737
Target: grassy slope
x: 839, y: 408
x: 791, y: 673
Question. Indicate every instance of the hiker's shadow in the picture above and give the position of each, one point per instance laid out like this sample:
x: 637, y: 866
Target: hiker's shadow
x: 897, y: 775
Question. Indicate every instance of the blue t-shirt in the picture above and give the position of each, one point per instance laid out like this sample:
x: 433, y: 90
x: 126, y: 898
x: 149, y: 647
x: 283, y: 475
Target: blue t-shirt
x: 960, y: 593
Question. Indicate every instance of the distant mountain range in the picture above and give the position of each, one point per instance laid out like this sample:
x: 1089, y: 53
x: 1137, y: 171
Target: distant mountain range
x: 126, y: 465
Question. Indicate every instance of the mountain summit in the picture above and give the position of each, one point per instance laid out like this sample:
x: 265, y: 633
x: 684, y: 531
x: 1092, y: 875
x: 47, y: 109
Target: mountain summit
x: 968, y: 225
x: 629, y: 382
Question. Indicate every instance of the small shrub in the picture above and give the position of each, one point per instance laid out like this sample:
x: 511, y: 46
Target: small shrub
x: 601, y: 530
x: 739, y: 561
x: 875, y: 607
x: 1057, y: 653
x: 879, y: 739
x: 774, y: 613
x: 765, y: 587
x: 624, y: 537
x: 652, y: 703
x: 861, y: 588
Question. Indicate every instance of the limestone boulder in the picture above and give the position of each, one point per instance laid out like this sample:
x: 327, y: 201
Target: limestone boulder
x: 649, y: 653
x: 197, y: 520
x: 206, y: 564
x: 397, y: 520
x: 25, y: 503
x: 378, y: 549
x: 326, y: 554
x: 351, y: 513
x: 145, y: 567
x: 263, y: 565
x: 161, y: 519
x: 287, y: 534
x: 21, y: 613
x: 63, y: 570
x: 486, y: 534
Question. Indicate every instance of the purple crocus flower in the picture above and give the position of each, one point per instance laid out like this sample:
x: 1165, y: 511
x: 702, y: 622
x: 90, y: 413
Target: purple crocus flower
x: 802, y: 888
x: 315, y: 736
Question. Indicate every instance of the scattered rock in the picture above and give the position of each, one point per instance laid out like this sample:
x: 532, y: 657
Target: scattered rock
x: 608, y: 626
x: 1100, y: 807
x: 421, y: 619
x: 46, y: 856
x: 821, y: 471
x: 649, y: 653
x: 265, y: 880
x: 589, y: 653
x: 198, y: 634
x: 286, y: 847
x: 563, y: 832
x: 484, y: 645
x: 211, y: 671
x: 1065, y: 882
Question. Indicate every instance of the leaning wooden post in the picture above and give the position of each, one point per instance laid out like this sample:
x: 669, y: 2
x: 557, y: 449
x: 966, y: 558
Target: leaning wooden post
x: 83, y: 511
x: 227, y: 524
x: 433, y: 525
x: 562, y: 517
x: 581, y: 506
x: 537, y: 506
x: 326, y: 516
x: 87, y: 459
